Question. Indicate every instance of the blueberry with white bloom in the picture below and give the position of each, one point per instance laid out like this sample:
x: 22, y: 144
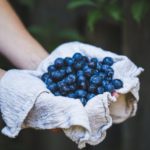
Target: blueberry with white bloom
x: 108, y: 61
x: 59, y: 62
x: 96, y: 80
x: 69, y: 61
x: 81, y: 93
x: 90, y: 95
x: 117, y: 83
x: 100, y: 90
x: 71, y: 78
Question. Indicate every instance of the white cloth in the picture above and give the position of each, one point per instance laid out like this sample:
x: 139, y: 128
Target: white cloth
x: 46, y: 111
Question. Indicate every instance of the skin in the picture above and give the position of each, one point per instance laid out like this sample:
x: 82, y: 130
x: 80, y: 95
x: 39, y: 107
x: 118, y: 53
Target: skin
x: 16, y: 43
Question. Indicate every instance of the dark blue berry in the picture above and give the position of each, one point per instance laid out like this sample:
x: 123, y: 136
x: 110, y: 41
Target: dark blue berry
x: 80, y: 72
x: 94, y: 60
x: 96, y: 80
x: 99, y: 66
x: 83, y: 101
x: 69, y: 70
x: 48, y: 81
x: 69, y: 61
x: 109, y: 87
x: 110, y: 72
x: 82, y: 85
x: 59, y: 62
x: 71, y: 78
x: 77, y: 56
x: 102, y: 75
x: 80, y: 93
x: 81, y: 78
x: 108, y: 61
x: 45, y: 76
x: 117, y: 83
x: 92, y: 64
x: 78, y: 65
x: 56, y: 75
x: 52, y: 87
x: 92, y: 88
x: 62, y: 72
x: 72, y: 87
x: 57, y: 93
x: 88, y: 72
x: 100, y: 90
x: 65, y: 88
x: 90, y: 95
x: 85, y: 59
x: 105, y: 82
x: 60, y: 84
x: 71, y: 95
x: 51, y: 68
x: 96, y: 72
x: 104, y: 68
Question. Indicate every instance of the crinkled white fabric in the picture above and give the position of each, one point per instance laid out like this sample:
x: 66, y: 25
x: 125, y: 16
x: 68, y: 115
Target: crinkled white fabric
x: 18, y: 93
x: 100, y: 116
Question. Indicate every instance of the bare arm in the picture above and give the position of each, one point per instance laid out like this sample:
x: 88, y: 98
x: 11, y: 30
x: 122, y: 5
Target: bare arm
x: 16, y: 44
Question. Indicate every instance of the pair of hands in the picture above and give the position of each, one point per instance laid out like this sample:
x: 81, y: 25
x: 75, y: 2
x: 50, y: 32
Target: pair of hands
x: 26, y: 102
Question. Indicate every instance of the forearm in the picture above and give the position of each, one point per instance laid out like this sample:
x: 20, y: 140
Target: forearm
x: 16, y: 43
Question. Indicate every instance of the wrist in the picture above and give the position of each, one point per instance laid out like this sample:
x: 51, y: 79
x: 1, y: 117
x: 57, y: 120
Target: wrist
x: 2, y: 72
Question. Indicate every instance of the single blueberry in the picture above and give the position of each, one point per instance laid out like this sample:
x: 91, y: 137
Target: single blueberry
x: 45, y: 76
x: 57, y: 93
x: 65, y: 88
x: 56, y: 75
x: 81, y: 78
x: 99, y: 66
x: 71, y: 78
x: 60, y: 84
x: 48, y: 81
x: 63, y: 93
x: 80, y: 93
x: 52, y: 87
x: 90, y: 95
x: 69, y: 61
x: 78, y: 65
x: 80, y: 72
x: 83, y: 101
x: 59, y: 62
x: 100, y: 90
x: 96, y: 72
x: 71, y: 95
x: 92, y: 88
x: 51, y: 68
x: 77, y: 56
x: 85, y: 59
x: 109, y: 87
x: 108, y: 78
x: 104, y: 68
x: 96, y: 80
x: 92, y: 64
x: 88, y: 72
x: 110, y: 72
x: 62, y: 72
x: 82, y: 85
x: 108, y: 61
x: 69, y: 70
x: 72, y: 87
x: 117, y: 83
x: 105, y: 82
x: 94, y: 60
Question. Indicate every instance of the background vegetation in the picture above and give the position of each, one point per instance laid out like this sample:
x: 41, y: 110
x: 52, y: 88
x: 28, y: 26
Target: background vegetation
x: 121, y: 26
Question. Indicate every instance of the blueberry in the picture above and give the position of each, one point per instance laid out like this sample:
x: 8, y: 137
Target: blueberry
x: 110, y: 72
x: 78, y: 65
x: 69, y: 70
x: 56, y: 75
x: 57, y: 93
x: 108, y: 79
x: 104, y: 68
x: 80, y: 72
x: 82, y: 85
x: 71, y: 78
x: 63, y: 93
x: 77, y: 56
x: 65, y: 88
x: 71, y: 95
x: 52, y: 87
x: 81, y: 78
x: 108, y: 61
x: 100, y: 90
x: 96, y: 72
x: 109, y: 87
x: 69, y: 61
x: 83, y: 101
x: 45, y: 76
x: 62, y: 72
x: 94, y: 60
x: 85, y: 59
x: 96, y: 80
x: 117, y: 83
x: 102, y: 75
x: 48, y: 81
x: 99, y: 66
x: 88, y: 72
x: 92, y: 88
x: 60, y: 84
x: 92, y: 64
x: 59, y: 62
x: 105, y: 82
x: 90, y: 95
x: 72, y: 87
x: 51, y: 68
x: 80, y: 93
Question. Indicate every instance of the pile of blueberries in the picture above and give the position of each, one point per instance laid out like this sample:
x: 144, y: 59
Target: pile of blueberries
x: 81, y: 77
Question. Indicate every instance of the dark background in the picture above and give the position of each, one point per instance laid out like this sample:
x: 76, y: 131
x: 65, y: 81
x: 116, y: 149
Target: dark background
x: 124, y: 28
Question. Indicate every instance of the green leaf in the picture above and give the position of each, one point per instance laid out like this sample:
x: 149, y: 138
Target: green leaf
x: 115, y: 12
x: 139, y: 9
x: 78, y: 3
x: 92, y: 19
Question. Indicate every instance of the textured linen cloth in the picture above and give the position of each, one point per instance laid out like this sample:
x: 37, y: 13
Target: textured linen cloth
x: 81, y: 124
